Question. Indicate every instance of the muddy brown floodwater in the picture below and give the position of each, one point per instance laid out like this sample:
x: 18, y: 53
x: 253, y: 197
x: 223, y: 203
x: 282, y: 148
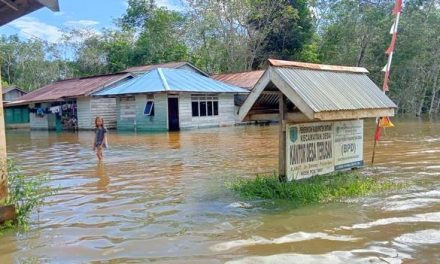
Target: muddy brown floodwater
x: 161, y: 198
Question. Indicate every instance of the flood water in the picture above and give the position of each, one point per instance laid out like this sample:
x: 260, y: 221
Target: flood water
x: 161, y: 198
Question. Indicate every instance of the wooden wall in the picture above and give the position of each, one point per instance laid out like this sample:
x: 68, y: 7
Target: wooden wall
x: 227, y: 113
x: 158, y: 122
x: 83, y: 113
x: 126, y: 113
x: 12, y: 95
x: 105, y: 108
x: 88, y: 108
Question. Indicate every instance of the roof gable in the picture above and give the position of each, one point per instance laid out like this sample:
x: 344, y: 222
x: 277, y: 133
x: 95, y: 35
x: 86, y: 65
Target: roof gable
x: 318, y: 91
x: 12, y: 88
x: 170, y: 65
x: 170, y: 80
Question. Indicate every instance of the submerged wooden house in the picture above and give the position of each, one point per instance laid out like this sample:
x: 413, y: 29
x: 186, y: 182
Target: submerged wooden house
x: 67, y: 104
x: 173, y: 99
x: 320, y: 109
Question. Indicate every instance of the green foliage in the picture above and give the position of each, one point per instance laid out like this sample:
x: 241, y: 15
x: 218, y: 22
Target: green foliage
x: 326, y: 188
x: 27, y: 193
x: 240, y: 35
x: 160, y: 39
x: 30, y: 64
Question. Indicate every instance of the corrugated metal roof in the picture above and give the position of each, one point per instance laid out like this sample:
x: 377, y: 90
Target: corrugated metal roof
x: 312, y: 66
x: 11, y: 88
x: 147, y: 68
x: 332, y: 91
x: 70, y: 88
x: 171, y: 65
x: 241, y: 79
x: 171, y: 80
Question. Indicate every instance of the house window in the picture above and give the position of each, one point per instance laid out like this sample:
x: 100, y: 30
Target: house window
x: 149, y: 108
x: 204, y: 105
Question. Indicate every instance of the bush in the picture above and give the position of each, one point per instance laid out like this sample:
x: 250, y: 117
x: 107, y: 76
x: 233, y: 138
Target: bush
x: 26, y: 192
x: 325, y: 188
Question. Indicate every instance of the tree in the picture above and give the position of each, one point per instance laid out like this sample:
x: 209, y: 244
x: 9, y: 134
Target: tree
x: 30, y: 64
x: 160, y: 31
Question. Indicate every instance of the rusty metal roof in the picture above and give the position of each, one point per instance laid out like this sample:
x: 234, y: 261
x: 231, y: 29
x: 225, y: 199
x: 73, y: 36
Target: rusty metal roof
x: 11, y: 88
x: 13, y: 9
x: 319, y: 91
x: 312, y: 66
x: 241, y: 79
x: 332, y: 91
x: 70, y: 88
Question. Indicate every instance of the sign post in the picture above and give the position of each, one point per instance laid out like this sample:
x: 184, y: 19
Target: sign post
x: 323, y: 147
x: 3, y: 164
x: 282, y: 138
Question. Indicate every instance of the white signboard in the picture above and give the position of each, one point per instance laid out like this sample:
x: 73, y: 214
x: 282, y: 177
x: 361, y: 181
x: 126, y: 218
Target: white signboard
x: 309, y: 150
x: 349, y: 144
x: 322, y: 147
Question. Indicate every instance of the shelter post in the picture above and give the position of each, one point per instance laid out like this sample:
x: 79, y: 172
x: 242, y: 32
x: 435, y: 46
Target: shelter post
x: 282, y: 137
x: 3, y: 165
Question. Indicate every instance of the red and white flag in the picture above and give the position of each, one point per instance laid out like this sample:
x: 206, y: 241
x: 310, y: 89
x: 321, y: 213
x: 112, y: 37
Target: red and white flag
x: 397, y: 7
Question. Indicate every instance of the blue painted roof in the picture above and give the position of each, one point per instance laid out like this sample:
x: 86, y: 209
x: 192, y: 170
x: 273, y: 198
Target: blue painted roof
x: 171, y: 80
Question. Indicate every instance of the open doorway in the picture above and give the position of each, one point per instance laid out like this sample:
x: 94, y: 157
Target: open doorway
x: 173, y: 114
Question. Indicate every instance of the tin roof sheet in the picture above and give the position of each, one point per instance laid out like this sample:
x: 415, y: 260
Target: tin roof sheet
x: 170, y: 80
x: 241, y: 79
x: 312, y: 66
x: 70, y: 88
x: 11, y: 88
x: 171, y: 65
x: 326, y: 90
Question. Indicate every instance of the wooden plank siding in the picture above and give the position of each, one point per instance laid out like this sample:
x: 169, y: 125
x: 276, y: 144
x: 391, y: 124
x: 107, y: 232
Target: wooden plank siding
x: 158, y: 122
x: 227, y: 113
x: 105, y: 108
x: 126, y: 113
x: 83, y: 113
x: 88, y: 108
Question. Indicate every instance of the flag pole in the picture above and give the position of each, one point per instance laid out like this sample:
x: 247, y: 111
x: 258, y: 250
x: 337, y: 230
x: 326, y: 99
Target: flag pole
x: 396, y: 11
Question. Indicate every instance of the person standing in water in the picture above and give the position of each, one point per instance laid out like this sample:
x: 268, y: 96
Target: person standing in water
x: 100, y: 138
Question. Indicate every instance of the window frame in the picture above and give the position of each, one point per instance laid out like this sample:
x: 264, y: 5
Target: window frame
x: 203, y: 101
x: 151, y: 112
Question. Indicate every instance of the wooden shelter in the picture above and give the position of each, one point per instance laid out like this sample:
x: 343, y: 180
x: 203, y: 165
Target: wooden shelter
x: 295, y: 92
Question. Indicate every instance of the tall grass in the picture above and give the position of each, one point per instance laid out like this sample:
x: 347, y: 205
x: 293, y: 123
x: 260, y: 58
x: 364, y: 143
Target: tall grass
x: 325, y: 188
x: 27, y: 193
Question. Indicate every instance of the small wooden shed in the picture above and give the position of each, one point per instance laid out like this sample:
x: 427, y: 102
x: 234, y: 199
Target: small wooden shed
x: 320, y: 109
